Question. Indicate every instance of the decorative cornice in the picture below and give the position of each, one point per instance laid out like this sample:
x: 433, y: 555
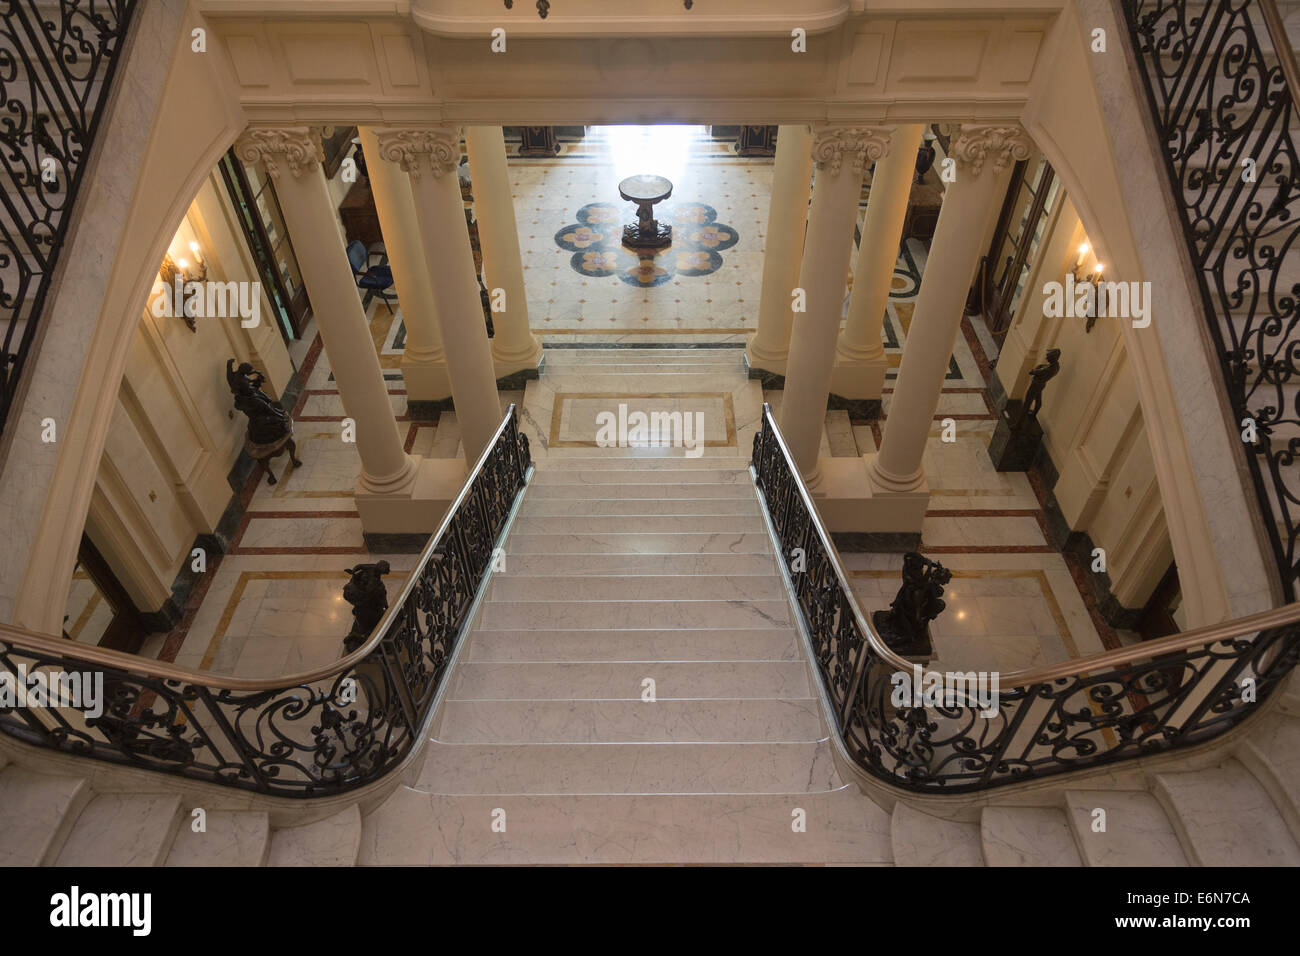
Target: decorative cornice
x: 973, y: 145
x: 858, y: 144
x: 436, y: 148
x: 299, y: 147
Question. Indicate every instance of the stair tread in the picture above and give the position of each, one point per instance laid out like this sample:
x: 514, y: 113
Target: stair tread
x: 415, y: 828
x: 920, y: 839
x: 333, y: 841
x: 1027, y: 836
x: 1228, y: 817
x: 664, y: 644
x: 33, y: 807
x: 122, y: 829
x: 1138, y: 832
x: 603, y: 768
x: 674, y: 680
x: 230, y: 838
x: 680, y: 542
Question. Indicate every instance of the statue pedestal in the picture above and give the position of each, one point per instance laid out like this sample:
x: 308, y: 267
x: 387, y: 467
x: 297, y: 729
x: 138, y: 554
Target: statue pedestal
x: 1014, y: 449
x: 915, y: 651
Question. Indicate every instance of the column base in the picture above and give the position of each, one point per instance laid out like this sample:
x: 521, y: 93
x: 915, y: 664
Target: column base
x: 770, y: 373
x: 855, y: 511
x: 513, y: 369
x: 426, y: 383
x: 858, y: 380
x: 415, y: 509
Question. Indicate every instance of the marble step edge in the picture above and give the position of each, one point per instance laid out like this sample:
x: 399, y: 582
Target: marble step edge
x: 624, y: 680
x: 156, y: 817
x: 920, y: 839
x: 635, y: 645
x: 1261, y: 766
x: 1028, y: 836
x: 603, y: 588
x: 62, y: 796
x: 231, y: 838
x: 1138, y: 831
x: 333, y: 841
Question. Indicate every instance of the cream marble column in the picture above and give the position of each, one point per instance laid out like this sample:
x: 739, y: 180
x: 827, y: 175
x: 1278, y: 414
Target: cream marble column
x: 430, y: 156
x: 860, y: 361
x: 840, y: 153
x: 292, y: 159
x: 787, y: 217
x: 424, y: 362
x: 514, y: 346
x: 982, y: 154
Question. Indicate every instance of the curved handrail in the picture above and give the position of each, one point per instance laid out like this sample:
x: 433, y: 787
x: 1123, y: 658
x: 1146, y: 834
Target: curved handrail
x: 336, y: 728
x: 1173, y: 691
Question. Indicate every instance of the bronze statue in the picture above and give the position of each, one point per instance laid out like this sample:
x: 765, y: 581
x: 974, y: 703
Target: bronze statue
x: 270, y: 428
x: 369, y: 599
x: 1039, y: 376
x: 918, y: 602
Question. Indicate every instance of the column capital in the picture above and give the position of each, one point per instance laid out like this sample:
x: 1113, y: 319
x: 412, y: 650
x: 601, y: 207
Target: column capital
x: 436, y: 148
x: 858, y: 144
x: 298, y: 147
x: 976, y: 143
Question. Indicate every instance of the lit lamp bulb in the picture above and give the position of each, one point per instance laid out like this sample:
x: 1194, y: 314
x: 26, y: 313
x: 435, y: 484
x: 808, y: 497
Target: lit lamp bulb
x: 1083, y: 251
x: 194, y: 248
x: 183, y: 264
x: 1098, y: 267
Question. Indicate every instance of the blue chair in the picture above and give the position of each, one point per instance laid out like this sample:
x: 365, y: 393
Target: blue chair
x: 375, y: 280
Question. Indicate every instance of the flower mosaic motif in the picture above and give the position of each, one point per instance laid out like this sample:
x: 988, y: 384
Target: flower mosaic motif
x: 595, y: 241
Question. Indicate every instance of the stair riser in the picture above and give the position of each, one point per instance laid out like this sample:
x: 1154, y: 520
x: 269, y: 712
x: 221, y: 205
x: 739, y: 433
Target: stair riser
x: 571, y: 480
x: 668, y: 565
x: 653, y: 524
x: 501, y: 616
x: 728, y: 542
x: 662, y: 587
x: 632, y: 645
x: 617, y: 721
x: 720, y: 680
x: 646, y: 507
x: 642, y: 492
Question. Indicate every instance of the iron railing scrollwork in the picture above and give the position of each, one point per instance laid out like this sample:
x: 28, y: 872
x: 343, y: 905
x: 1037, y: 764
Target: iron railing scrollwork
x: 330, y: 731
x: 1217, y: 86
x: 57, y: 62
x: 1169, y: 693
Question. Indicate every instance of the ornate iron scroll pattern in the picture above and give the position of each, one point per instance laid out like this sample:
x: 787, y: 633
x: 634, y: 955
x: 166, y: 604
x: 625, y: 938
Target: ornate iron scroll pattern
x: 56, y: 68
x: 304, y: 738
x: 1224, y: 115
x: 1093, y: 715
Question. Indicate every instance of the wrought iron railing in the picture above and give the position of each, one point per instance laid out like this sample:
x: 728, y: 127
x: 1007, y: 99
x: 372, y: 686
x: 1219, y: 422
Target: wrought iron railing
x: 1217, y: 85
x: 332, y: 730
x: 1174, y: 692
x: 56, y: 67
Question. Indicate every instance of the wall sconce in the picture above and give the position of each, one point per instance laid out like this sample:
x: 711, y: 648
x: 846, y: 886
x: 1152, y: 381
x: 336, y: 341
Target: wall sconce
x: 176, y: 274
x: 1094, y: 278
x: 1078, y: 263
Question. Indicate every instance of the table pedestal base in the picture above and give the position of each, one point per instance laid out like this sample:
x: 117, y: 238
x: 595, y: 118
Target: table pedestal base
x: 647, y: 235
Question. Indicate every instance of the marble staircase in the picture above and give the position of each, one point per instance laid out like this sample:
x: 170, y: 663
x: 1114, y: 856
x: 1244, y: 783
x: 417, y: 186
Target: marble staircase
x: 625, y: 566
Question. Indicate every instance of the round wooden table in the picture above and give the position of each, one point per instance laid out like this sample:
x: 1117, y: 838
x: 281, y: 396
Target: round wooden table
x: 646, y: 190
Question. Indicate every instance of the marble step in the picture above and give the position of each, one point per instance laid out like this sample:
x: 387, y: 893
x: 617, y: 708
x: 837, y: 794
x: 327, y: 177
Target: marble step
x: 637, y: 454
x: 919, y: 839
x: 521, y: 615
x: 624, y: 382
x: 575, y: 478
x: 333, y: 841
x: 773, y: 720
x: 556, y: 358
x: 627, y: 506
x: 1027, y: 836
x: 670, y: 644
x: 673, y: 680
x: 645, y: 524
x: 1272, y: 754
x: 585, y: 565
x: 1137, y: 833
x: 593, y: 461
x: 415, y: 828
x: 634, y: 587
x: 627, y: 768
x: 734, y: 370
x: 123, y: 829
x: 230, y: 838
x: 37, y: 810
x: 630, y: 491
x: 716, y: 542
x: 1224, y: 817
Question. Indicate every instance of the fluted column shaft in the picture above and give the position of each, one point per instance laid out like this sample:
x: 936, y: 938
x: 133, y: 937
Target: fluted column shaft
x: 891, y: 188
x: 982, y: 154
x: 514, y: 346
x: 292, y: 158
x: 424, y: 361
x: 839, y: 154
x: 430, y: 156
x: 787, y: 218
